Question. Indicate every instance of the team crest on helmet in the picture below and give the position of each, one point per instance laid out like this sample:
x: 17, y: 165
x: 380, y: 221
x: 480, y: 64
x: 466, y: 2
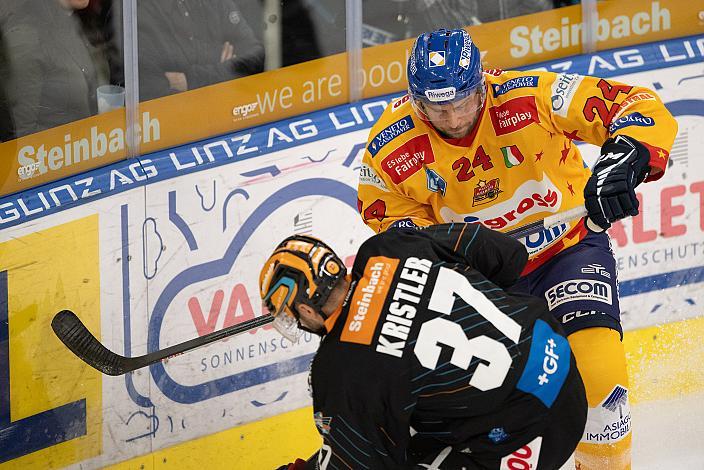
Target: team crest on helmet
x: 436, y: 58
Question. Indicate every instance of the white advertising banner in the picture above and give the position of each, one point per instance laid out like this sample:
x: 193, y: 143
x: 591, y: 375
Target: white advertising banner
x: 181, y: 235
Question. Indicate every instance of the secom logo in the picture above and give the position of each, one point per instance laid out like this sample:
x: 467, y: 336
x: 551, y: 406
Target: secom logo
x: 578, y: 289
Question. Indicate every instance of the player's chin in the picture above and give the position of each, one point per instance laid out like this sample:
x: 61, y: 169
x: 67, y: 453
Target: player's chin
x: 456, y: 133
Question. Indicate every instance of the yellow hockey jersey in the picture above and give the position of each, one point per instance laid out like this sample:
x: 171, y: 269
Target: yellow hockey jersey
x: 519, y: 164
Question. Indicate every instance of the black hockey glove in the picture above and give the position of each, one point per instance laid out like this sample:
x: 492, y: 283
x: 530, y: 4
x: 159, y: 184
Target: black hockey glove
x: 609, y: 194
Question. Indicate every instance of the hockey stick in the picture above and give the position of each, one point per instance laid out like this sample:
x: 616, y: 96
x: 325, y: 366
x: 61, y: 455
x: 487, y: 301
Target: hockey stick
x: 552, y: 221
x: 74, y: 334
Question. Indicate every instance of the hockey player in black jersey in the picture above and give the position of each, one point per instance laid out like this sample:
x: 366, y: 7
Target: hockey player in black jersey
x: 427, y: 360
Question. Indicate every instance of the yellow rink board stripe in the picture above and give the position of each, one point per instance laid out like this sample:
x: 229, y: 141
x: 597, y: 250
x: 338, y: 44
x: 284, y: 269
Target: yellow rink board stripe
x: 665, y: 362
x: 264, y: 444
x: 47, y: 270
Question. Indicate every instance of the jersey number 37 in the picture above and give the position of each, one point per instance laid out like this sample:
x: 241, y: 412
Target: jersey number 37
x: 441, y: 331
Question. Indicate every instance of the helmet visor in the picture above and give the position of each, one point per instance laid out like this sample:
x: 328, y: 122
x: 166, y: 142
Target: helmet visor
x: 279, y: 302
x: 288, y: 327
x: 463, y: 109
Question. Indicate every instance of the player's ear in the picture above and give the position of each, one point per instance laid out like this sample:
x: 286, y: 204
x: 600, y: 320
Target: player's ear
x: 304, y: 310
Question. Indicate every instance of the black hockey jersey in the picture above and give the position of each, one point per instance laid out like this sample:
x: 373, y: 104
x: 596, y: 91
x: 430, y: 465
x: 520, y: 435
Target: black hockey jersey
x: 429, y: 350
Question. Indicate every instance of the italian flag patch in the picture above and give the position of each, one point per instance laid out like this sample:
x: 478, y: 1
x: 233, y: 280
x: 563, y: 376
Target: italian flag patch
x: 512, y: 156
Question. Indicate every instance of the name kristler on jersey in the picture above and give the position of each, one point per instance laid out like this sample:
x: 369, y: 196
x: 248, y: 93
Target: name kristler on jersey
x: 389, y: 133
x: 400, y: 313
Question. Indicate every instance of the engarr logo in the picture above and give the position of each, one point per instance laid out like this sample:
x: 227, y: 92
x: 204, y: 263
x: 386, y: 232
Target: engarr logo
x: 246, y: 110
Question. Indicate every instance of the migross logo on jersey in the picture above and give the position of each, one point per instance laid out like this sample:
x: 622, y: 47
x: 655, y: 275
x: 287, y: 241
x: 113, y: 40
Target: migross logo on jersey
x: 518, y: 82
x: 514, y: 115
x: 578, y: 289
x: 633, y: 119
x: 389, y: 133
x: 408, y: 159
x: 530, y: 198
x: 563, y: 90
x: 368, y: 299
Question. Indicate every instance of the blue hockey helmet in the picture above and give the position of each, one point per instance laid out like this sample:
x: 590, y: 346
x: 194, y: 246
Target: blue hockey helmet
x: 445, y: 68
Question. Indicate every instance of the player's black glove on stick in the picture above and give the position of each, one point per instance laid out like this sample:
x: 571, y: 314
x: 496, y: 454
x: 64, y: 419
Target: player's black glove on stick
x: 609, y: 194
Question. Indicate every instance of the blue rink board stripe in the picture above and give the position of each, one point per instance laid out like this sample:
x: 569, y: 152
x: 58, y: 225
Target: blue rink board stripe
x: 98, y: 183
x: 656, y: 282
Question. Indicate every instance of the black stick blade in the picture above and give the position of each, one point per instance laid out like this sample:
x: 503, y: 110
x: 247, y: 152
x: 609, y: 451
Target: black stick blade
x: 73, y: 333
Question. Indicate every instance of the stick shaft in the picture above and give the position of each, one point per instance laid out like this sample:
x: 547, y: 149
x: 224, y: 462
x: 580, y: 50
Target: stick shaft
x: 550, y: 221
x: 209, y: 338
x: 73, y: 333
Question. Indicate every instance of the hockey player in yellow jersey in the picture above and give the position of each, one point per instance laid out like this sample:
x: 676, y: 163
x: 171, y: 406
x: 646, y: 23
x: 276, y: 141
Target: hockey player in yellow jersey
x: 497, y: 148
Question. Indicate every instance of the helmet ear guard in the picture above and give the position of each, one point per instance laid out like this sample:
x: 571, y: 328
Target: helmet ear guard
x: 304, y: 270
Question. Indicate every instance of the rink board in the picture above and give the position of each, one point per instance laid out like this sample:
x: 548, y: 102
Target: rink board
x: 153, y: 252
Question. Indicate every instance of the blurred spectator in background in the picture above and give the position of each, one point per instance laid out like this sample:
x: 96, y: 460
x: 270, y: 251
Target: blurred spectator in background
x: 564, y: 3
x: 304, y: 35
x: 502, y: 9
x: 7, y: 126
x: 102, y: 23
x: 394, y: 20
x: 53, y: 70
x: 187, y: 44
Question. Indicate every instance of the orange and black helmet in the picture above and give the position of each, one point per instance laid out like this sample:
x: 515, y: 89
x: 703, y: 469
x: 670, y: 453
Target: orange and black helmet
x: 302, y: 269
